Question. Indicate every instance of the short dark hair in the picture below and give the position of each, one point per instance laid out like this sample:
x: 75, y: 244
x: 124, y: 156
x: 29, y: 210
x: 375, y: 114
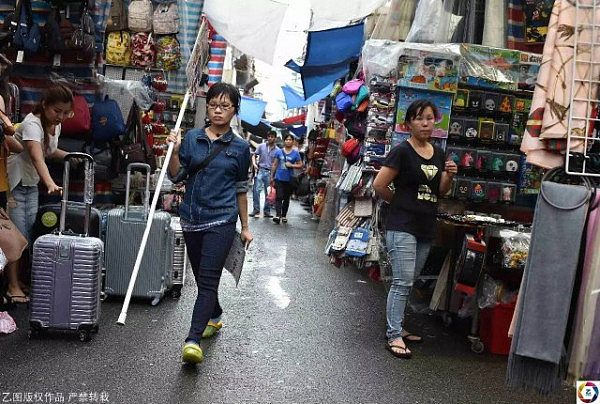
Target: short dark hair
x: 272, y: 133
x: 417, y: 107
x: 289, y: 135
x: 219, y: 89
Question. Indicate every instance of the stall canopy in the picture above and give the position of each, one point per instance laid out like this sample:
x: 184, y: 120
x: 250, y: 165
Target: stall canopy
x: 261, y: 129
x: 337, y: 13
x: 252, y: 26
x: 299, y: 131
x: 252, y: 110
x: 328, y: 56
x: 294, y: 97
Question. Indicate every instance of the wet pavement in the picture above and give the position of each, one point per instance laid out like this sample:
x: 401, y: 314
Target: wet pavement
x: 297, y: 330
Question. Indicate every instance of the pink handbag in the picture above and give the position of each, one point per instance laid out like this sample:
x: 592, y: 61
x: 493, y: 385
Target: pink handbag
x: 352, y: 86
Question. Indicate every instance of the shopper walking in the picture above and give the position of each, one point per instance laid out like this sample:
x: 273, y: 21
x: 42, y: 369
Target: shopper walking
x: 214, y: 163
x: 262, y: 160
x: 285, y: 162
x: 420, y: 175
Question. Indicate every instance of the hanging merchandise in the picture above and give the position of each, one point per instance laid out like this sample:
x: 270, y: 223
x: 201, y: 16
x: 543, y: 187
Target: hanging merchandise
x: 166, y: 19
x: 140, y: 16
x: 537, y: 352
x: 144, y: 51
x: 81, y: 122
x: 117, y: 20
x: 168, y: 53
x: 425, y: 23
x: 82, y: 41
x: 53, y: 38
x: 118, y: 48
x: 107, y: 120
x: 27, y: 35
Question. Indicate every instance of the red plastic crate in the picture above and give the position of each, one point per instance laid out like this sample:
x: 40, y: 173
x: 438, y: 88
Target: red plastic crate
x: 493, y: 328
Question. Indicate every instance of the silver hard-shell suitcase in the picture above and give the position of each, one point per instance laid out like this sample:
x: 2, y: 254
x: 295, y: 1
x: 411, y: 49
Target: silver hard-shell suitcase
x: 124, y: 231
x: 178, y: 261
x: 66, y: 271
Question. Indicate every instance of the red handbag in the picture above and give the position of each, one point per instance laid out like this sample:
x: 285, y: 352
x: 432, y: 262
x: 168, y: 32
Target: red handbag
x: 81, y: 123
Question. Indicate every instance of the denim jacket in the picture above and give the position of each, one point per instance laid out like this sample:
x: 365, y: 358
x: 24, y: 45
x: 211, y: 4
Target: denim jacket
x: 211, y: 194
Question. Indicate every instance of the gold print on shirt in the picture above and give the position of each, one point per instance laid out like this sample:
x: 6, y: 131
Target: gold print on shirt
x: 430, y: 171
x: 425, y: 194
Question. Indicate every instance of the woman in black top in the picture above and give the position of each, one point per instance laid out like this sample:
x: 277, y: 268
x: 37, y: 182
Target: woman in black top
x: 420, y: 175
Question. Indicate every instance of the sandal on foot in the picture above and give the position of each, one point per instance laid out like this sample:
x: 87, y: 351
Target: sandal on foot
x: 18, y: 299
x: 212, y: 328
x: 284, y: 220
x: 192, y: 353
x: 413, y: 338
x: 403, y: 354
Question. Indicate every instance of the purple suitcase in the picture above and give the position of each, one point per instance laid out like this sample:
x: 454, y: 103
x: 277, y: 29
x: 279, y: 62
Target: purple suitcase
x: 66, y: 271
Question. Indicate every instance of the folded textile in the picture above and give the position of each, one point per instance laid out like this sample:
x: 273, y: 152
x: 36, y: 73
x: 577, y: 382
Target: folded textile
x: 537, y: 355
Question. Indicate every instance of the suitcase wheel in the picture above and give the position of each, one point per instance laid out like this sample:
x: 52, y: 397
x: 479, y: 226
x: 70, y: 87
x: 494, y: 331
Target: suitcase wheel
x: 176, y: 293
x: 85, y: 336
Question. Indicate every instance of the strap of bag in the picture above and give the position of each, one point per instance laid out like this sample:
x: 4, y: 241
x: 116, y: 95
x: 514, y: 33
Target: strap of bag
x: 218, y: 148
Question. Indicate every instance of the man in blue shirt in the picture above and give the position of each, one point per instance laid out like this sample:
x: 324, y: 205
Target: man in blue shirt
x: 262, y: 160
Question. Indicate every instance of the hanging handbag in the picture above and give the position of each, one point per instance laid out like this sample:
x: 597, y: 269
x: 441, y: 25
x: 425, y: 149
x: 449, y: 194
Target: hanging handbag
x: 27, y: 35
x: 135, y: 147
x: 81, y: 122
x: 166, y: 19
x: 12, y: 242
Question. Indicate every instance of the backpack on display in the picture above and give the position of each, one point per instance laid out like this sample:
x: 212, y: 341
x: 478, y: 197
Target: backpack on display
x: 140, y: 15
x: 168, y: 53
x: 118, y: 16
x: 118, y: 48
x: 107, y: 120
x: 143, y: 50
x: 166, y: 19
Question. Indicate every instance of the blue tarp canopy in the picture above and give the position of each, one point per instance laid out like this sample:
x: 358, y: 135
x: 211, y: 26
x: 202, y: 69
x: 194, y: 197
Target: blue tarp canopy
x: 299, y: 131
x: 252, y: 110
x: 294, y: 98
x: 328, y: 55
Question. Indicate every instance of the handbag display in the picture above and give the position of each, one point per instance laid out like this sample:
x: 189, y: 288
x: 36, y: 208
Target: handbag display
x: 140, y: 16
x: 118, y: 16
x: 135, y: 147
x: 27, y: 34
x: 82, y: 40
x: 81, y: 122
x: 12, y: 242
x: 166, y: 19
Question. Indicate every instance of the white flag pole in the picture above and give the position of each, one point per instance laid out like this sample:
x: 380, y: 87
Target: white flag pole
x: 138, y: 260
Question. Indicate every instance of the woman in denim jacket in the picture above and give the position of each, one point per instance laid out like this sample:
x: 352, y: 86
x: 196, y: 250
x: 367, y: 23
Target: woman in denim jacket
x: 214, y: 198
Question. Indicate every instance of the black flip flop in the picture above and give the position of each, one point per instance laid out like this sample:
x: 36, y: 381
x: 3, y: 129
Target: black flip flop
x: 402, y: 355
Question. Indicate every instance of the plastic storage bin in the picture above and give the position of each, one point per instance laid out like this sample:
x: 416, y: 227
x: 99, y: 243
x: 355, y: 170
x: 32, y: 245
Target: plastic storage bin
x: 493, y: 328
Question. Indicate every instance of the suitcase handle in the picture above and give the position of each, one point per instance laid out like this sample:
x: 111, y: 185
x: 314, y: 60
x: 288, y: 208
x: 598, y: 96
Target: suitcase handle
x: 145, y: 167
x: 88, y: 190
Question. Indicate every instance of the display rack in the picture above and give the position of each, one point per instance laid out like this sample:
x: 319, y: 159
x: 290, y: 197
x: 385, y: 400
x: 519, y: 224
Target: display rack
x: 583, y: 130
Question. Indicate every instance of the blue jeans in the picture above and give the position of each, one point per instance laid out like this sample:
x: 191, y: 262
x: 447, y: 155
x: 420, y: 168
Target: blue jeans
x: 407, y: 256
x: 207, y: 251
x: 261, y: 182
x: 24, y: 213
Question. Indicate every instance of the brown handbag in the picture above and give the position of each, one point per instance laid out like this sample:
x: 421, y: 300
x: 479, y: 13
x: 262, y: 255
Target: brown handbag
x: 135, y: 147
x: 12, y: 241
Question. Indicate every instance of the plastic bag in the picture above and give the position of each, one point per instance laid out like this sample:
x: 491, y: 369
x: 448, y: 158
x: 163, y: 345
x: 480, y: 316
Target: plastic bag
x: 7, y: 324
x: 488, y: 295
x: 515, y: 249
x: 271, y: 196
x: 426, y: 23
x: 119, y: 89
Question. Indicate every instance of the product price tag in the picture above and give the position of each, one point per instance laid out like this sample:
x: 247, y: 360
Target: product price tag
x: 56, y: 61
x: 20, y: 56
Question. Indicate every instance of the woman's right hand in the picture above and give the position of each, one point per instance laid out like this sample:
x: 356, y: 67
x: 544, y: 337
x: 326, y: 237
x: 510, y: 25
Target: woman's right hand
x: 175, y: 138
x: 54, y: 189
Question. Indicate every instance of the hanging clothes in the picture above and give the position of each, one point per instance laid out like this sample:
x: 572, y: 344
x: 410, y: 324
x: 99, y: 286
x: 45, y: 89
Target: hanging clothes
x: 537, y: 355
x: 470, y: 29
x: 547, y: 127
x: 587, y: 307
x: 396, y: 24
x: 494, y: 26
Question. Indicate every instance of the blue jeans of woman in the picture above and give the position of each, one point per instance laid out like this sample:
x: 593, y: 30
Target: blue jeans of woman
x: 261, y: 182
x: 407, y: 256
x: 24, y: 213
x: 207, y: 251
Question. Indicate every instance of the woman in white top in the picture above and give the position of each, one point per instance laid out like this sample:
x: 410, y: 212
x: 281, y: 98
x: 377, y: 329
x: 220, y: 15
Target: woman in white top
x: 39, y: 134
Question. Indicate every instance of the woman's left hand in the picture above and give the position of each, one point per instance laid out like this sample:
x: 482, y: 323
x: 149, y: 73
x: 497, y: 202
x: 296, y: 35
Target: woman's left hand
x: 246, y: 237
x: 451, y: 167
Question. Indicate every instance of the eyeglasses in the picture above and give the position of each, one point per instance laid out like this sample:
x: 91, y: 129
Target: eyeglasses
x: 222, y: 107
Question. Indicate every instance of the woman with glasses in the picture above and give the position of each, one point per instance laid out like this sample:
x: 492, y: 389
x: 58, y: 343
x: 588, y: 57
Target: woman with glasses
x: 38, y: 133
x: 420, y: 175
x: 214, y: 163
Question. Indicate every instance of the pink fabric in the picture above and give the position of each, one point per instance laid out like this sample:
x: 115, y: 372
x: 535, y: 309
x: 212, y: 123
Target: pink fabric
x: 7, y: 324
x: 551, y: 98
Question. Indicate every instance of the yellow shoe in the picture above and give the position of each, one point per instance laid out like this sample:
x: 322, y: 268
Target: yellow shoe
x: 211, y: 328
x: 192, y: 353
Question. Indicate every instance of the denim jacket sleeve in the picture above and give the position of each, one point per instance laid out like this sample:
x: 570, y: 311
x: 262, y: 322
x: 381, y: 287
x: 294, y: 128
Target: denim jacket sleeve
x: 182, y: 174
x: 241, y: 185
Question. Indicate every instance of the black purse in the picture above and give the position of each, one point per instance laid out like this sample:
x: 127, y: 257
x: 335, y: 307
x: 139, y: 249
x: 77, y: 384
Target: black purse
x: 27, y: 35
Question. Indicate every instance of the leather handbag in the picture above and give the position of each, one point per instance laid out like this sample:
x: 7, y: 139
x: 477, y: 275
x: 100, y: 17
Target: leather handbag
x: 135, y: 147
x: 12, y: 242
